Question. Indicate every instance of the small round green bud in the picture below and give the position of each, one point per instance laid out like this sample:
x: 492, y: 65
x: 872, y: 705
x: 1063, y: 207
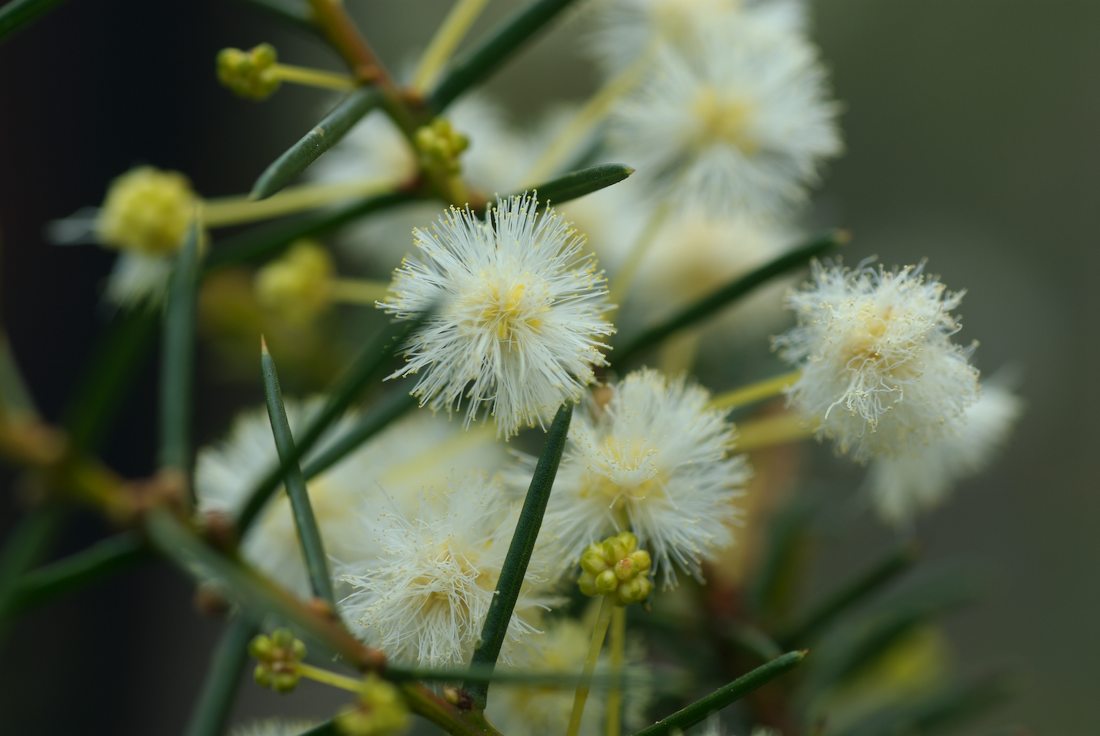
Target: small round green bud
x: 606, y: 582
x: 284, y: 682
x: 440, y: 146
x: 593, y: 560
x: 261, y: 647
x: 616, y: 567
x: 250, y: 74
x: 641, y: 559
x: 278, y: 658
x: 624, y: 569
x: 587, y: 583
x: 634, y: 591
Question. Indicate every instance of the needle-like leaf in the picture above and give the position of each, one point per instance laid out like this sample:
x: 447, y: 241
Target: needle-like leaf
x: 479, y: 64
x: 313, y: 548
x: 725, y: 695
x: 519, y: 552
x: 724, y: 296
x: 178, y: 356
x: 316, y: 142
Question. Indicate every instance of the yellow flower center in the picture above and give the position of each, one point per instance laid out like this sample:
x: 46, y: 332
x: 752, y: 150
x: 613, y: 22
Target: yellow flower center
x: 724, y: 119
x: 508, y: 311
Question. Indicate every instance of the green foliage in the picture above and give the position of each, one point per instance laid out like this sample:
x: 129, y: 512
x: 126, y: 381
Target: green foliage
x: 519, y: 551
x: 320, y: 138
x: 313, y: 548
x: 18, y: 14
x: 178, y: 356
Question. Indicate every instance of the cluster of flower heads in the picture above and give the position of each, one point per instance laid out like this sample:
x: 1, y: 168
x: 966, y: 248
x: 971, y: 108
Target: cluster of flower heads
x: 728, y: 120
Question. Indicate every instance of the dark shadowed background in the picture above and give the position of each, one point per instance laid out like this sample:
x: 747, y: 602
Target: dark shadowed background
x: 972, y: 137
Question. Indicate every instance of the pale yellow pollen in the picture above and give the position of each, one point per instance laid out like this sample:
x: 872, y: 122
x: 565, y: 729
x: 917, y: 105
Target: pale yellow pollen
x: 508, y: 311
x: 724, y: 119
x: 627, y: 458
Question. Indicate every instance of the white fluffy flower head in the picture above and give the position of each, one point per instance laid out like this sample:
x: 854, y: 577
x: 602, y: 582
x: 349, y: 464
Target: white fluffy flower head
x: 425, y: 598
x: 878, y: 367
x: 628, y: 28
x: 518, y: 322
x: 418, y: 450
x: 920, y: 477
x: 740, y: 119
x: 654, y: 459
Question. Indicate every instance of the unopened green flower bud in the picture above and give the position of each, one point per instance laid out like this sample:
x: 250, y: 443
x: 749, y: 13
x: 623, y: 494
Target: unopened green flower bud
x: 592, y: 561
x: 440, y: 146
x: 147, y: 210
x: 606, y: 582
x: 617, y: 568
x: 380, y: 711
x: 279, y: 656
x: 635, y: 590
x: 250, y: 74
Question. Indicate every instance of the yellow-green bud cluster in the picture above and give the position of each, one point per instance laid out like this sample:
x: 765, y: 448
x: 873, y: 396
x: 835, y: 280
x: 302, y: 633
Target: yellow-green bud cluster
x: 296, y: 286
x: 380, y: 711
x: 440, y: 147
x: 147, y: 210
x: 251, y: 74
x: 278, y: 658
x: 616, y: 567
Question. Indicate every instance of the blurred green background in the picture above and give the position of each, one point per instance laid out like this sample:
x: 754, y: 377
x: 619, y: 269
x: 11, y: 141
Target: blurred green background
x: 972, y: 140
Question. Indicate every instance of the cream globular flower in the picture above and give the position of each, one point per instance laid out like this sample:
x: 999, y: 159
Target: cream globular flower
x: 655, y: 460
x: 518, y: 322
x: 919, y: 477
x: 544, y: 710
x: 697, y: 251
x: 422, y: 449
x: 740, y: 119
x: 145, y: 216
x: 879, y: 369
x: 424, y: 598
x: 628, y: 28
x: 147, y: 211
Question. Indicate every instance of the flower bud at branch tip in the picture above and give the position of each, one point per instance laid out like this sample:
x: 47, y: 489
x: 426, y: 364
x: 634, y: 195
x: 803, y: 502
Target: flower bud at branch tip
x: 439, y: 146
x: 279, y: 658
x: 616, y: 567
x: 250, y: 74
